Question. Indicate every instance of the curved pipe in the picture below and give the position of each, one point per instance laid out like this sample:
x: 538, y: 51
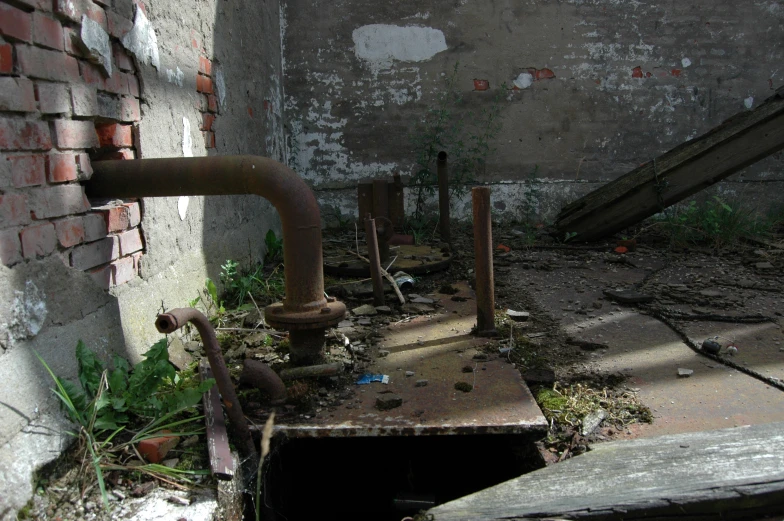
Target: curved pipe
x: 174, y: 320
x: 234, y: 175
x: 259, y: 375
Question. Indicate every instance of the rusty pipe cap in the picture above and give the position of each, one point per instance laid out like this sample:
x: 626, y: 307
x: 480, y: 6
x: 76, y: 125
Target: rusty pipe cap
x: 166, y: 323
x: 328, y: 315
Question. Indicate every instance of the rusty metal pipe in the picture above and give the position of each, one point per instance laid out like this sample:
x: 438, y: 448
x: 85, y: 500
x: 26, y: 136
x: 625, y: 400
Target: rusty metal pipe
x: 443, y: 196
x: 176, y: 318
x: 259, y: 375
x: 305, y: 306
x: 483, y: 263
x: 375, y: 264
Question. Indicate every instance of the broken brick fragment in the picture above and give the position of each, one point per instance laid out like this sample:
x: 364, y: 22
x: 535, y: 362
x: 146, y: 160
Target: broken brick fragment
x: 154, y: 450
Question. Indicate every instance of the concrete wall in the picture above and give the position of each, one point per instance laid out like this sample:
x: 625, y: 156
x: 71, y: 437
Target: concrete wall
x: 602, y: 86
x: 197, y: 81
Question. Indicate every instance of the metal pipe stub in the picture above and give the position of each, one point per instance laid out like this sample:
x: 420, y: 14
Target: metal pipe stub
x: 483, y: 264
x: 443, y: 196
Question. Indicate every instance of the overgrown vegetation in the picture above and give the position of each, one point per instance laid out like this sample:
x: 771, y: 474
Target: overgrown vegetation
x: 465, y: 135
x: 715, y: 222
x: 117, y: 408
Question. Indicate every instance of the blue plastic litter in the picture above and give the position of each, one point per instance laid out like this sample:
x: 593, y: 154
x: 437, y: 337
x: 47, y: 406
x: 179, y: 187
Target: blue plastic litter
x: 369, y: 378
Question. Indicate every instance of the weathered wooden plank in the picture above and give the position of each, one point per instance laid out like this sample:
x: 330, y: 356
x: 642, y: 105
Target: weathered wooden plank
x: 731, y: 472
x: 692, y: 166
x: 221, y: 459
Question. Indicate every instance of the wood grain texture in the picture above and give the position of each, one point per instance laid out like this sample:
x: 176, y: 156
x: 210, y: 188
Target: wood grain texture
x: 730, y: 473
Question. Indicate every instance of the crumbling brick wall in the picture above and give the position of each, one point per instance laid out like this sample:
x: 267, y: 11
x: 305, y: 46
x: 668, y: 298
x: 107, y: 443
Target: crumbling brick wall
x: 60, y: 109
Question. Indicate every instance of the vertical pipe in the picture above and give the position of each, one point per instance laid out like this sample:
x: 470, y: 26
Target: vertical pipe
x: 483, y: 252
x: 375, y: 265
x: 380, y: 198
x: 443, y: 197
x: 364, y: 199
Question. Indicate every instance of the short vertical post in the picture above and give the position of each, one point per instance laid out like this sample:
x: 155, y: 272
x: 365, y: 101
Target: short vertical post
x: 375, y: 264
x: 483, y: 266
x: 443, y: 196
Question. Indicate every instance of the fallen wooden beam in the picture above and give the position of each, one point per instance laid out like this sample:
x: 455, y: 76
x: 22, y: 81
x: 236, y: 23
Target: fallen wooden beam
x: 725, y: 474
x: 221, y: 460
x: 685, y: 170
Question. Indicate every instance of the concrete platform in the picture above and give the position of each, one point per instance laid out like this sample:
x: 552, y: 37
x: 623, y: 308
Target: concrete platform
x: 439, y: 349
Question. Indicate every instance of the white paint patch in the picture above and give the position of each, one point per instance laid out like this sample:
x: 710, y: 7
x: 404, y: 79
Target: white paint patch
x: 187, y: 139
x: 182, y: 206
x: 748, y: 102
x: 28, y: 312
x: 524, y: 80
x: 141, y: 40
x: 685, y: 62
x: 176, y: 77
x: 220, y: 87
x: 96, y: 40
x: 381, y: 44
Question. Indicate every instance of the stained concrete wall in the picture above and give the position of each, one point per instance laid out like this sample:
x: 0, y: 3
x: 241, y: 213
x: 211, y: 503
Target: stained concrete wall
x: 47, y: 306
x: 601, y: 87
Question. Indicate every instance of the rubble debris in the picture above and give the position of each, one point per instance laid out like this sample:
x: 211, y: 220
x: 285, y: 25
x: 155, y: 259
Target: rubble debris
x: 685, y: 372
x: 544, y: 377
x: 592, y: 420
x: 416, y: 308
x: 387, y: 401
x: 369, y: 378
x: 421, y: 383
x: 518, y: 316
x: 711, y: 346
x: 628, y: 296
x: 154, y: 450
x: 365, y: 310
x: 588, y: 346
x: 464, y: 386
x: 732, y: 350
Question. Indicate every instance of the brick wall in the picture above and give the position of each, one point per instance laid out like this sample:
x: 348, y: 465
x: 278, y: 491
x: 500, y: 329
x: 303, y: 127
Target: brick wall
x: 59, y: 109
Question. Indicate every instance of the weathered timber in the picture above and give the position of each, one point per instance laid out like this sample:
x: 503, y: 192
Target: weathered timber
x: 685, y: 170
x: 726, y: 474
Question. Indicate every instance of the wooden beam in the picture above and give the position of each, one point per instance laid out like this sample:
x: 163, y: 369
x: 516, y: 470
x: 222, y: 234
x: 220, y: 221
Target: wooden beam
x: 725, y: 474
x: 685, y: 170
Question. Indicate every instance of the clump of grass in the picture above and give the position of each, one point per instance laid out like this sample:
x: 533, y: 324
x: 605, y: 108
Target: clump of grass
x: 568, y: 405
x: 716, y: 223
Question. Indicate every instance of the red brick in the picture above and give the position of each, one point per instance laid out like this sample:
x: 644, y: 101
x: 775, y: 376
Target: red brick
x: 122, y: 59
x: 85, y: 167
x: 637, y: 72
x: 115, y: 135
x: 118, y: 26
x: 6, y: 58
x: 544, y: 74
x: 137, y: 262
x: 481, y: 84
x: 13, y: 209
x: 38, y: 5
x: 92, y: 74
x: 71, y: 39
x: 134, y: 214
x: 133, y: 85
x: 209, y: 139
x: 17, y: 95
x: 10, y: 247
x: 116, y: 83
x: 676, y: 72
x: 212, y: 103
x: 129, y: 109
x: 94, y: 254
x: 84, y: 100
x: 94, y: 227
x: 38, y: 241
x: 28, y: 170
x: 47, y: 65
x: 101, y: 276
x: 47, y: 31
x: 130, y: 242
x: 117, y: 218
x: 15, y: 23
x: 70, y: 231
x: 207, y: 121
x: 75, y: 134
x: 61, y: 168
x: 203, y: 84
x: 205, y: 66
x: 124, y: 270
x: 53, y: 98
x: 154, y: 450
x: 18, y: 134
x: 58, y: 201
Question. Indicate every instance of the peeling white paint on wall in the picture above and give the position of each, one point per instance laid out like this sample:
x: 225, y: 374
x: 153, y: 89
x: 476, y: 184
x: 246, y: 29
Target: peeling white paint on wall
x: 748, y: 102
x: 220, y: 86
x: 182, y: 206
x: 274, y: 139
x: 176, y: 77
x: 685, y: 62
x: 524, y: 80
x: 141, y: 40
x: 187, y: 139
x: 380, y: 44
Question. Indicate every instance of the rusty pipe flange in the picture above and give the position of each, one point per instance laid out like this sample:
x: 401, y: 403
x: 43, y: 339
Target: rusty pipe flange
x: 329, y: 315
